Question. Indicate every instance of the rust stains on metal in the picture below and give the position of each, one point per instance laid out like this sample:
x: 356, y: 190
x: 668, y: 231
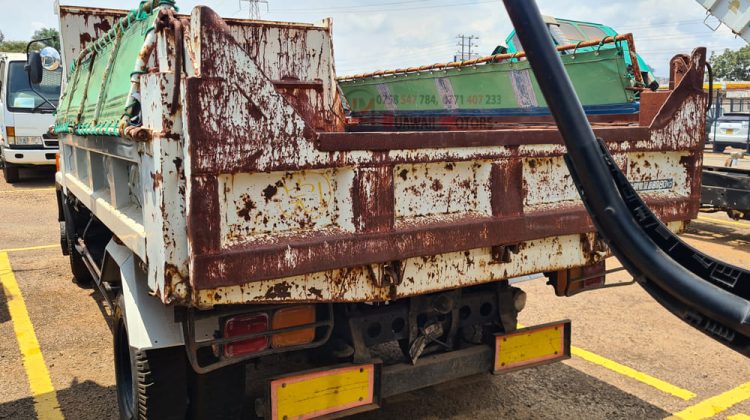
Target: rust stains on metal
x: 471, y: 138
x: 138, y: 133
x: 252, y: 221
x: 279, y: 291
x: 247, y: 208
x: 270, y: 191
x: 157, y: 178
x: 373, y: 199
x: 313, y: 254
x: 505, y: 179
x: 316, y: 292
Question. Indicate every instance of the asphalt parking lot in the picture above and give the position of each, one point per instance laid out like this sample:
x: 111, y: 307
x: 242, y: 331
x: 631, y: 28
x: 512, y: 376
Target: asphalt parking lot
x: 631, y: 359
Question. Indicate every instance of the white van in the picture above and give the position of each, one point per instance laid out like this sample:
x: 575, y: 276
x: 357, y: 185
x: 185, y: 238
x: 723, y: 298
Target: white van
x: 26, y: 116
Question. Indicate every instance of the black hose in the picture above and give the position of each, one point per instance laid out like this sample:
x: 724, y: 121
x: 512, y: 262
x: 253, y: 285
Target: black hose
x: 637, y: 252
x: 710, y: 86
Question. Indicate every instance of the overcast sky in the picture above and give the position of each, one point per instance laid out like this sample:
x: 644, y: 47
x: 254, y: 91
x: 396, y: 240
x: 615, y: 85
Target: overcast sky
x: 370, y: 35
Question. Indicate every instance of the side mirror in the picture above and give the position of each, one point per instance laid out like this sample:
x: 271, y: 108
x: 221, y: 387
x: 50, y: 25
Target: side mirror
x: 34, y: 68
x: 50, y: 59
x: 46, y: 59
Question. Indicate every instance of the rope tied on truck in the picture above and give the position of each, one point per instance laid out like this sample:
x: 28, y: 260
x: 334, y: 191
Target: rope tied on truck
x: 616, y: 39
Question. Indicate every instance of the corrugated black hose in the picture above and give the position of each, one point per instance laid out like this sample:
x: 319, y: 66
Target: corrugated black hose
x: 713, y: 310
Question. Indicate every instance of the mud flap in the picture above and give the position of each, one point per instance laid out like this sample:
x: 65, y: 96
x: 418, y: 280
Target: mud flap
x: 532, y: 346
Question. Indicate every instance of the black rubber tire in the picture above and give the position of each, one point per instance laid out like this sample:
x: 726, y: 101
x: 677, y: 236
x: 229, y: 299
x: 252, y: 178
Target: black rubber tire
x: 81, y: 274
x: 718, y: 149
x: 10, y: 172
x: 151, y: 384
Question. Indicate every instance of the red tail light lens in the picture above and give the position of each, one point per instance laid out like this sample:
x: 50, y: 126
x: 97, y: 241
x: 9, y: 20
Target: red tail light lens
x: 243, y: 325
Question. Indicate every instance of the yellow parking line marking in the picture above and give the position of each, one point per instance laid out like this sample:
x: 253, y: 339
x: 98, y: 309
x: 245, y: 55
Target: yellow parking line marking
x: 724, y: 222
x: 715, y: 405
x: 45, y: 397
x: 739, y: 417
x: 30, y: 248
x: 647, y: 379
x: 632, y: 373
x: 22, y: 190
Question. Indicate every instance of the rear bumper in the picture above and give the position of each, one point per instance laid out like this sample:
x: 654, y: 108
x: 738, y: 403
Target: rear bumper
x: 731, y: 141
x: 31, y: 157
x: 351, y: 388
x: 436, y: 369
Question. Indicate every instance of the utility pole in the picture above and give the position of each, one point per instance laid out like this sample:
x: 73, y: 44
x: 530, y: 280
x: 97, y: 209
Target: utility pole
x: 466, y: 42
x: 254, y: 8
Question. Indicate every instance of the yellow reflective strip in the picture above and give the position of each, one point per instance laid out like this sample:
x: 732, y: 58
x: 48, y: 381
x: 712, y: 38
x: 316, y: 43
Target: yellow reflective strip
x: 724, y: 222
x: 45, y: 397
x: 318, y: 395
x: 22, y: 190
x: 715, y: 405
x: 30, y: 248
x: 629, y: 372
x: 632, y: 373
x: 533, y: 345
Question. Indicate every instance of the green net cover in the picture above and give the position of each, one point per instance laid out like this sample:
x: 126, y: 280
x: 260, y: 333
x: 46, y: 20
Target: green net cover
x: 95, y: 98
x: 601, y: 80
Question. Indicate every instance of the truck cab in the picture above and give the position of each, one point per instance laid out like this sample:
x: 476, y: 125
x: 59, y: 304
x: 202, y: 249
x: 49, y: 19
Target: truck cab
x: 27, y: 113
x: 565, y: 31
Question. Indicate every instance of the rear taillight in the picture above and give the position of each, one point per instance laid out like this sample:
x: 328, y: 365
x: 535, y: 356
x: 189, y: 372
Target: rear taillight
x: 292, y: 317
x: 244, y: 325
x: 57, y: 162
x: 258, y: 322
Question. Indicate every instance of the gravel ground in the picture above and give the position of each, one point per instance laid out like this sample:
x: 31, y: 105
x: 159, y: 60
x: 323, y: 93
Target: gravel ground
x: 622, y: 324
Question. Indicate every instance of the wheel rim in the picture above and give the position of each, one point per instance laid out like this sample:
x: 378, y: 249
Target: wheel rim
x: 124, y: 373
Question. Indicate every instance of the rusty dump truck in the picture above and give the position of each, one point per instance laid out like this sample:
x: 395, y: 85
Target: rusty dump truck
x: 264, y: 255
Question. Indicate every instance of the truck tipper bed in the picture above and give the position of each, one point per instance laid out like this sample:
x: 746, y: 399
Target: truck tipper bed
x: 213, y: 188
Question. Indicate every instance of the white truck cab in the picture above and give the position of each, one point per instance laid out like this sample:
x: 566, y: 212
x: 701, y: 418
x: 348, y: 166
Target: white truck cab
x: 26, y: 116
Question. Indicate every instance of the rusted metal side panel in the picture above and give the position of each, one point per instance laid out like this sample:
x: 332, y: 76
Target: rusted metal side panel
x: 290, y: 202
x: 298, y: 59
x: 252, y: 127
x: 436, y: 189
x: 248, y: 190
x: 279, y: 211
x: 444, y: 271
x: 164, y: 185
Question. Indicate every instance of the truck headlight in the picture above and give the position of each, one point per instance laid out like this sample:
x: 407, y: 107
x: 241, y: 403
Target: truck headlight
x: 25, y: 140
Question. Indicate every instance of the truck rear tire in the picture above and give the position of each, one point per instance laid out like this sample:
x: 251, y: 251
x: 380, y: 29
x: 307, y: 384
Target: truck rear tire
x: 718, y: 148
x: 10, y: 172
x: 81, y: 274
x: 151, y: 384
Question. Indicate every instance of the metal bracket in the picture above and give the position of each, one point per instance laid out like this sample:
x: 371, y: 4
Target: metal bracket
x: 504, y: 253
x: 386, y: 274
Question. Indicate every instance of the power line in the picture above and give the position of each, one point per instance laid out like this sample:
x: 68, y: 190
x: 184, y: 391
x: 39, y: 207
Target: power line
x: 466, y: 43
x: 354, y: 6
x: 254, y: 8
x: 353, y: 10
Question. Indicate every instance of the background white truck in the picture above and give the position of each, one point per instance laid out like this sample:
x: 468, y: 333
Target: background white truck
x: 26, y: 116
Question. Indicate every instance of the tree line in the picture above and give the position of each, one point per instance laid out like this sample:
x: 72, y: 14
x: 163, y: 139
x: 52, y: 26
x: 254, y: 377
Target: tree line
x: 731, y: 65
x: 20, y: 46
